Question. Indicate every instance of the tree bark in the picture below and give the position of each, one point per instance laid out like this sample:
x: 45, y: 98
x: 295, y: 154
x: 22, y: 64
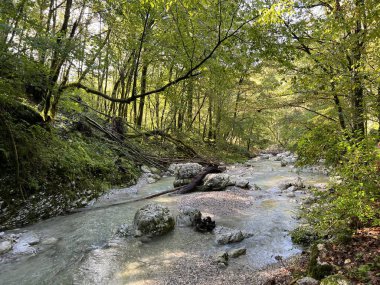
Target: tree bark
x: 142, y: 100
x: 57, y: 60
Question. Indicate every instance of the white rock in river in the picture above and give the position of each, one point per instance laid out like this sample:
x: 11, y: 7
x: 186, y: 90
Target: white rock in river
x: 145, y: 169
x: 5, y: 246
x: 29, y: 238
x: 240, y: 182
x: 187, y: 216
x: 49, y: 241
x: 224, y: 235
x: 237, y: 252
x: 151, y: 180
x: 153, y: 220
x: 185, y: 170
x: 23, y: 248
x: 216, y: 181
x: 221, y: 258
x: 297, y: 183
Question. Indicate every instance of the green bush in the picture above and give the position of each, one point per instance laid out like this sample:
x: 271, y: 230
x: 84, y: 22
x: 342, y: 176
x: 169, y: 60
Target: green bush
x: 322, y: 142
x: 304, y: 235
x: 356, y: 198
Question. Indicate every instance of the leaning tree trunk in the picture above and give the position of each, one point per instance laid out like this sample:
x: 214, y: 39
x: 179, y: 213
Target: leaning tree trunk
x: 57, y: 60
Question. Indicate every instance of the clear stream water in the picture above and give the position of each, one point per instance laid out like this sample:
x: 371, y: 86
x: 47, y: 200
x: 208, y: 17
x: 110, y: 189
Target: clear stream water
x: 87, y: 251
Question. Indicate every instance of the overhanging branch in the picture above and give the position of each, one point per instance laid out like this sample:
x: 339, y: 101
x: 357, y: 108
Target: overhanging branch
x: 190, y: 73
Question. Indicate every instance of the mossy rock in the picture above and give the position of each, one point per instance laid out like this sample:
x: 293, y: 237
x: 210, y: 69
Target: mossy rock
x: 320, y: 271
x: 315, y: 270
x: 335, y: 280
x: 154, y: 220
x: 304, y: 235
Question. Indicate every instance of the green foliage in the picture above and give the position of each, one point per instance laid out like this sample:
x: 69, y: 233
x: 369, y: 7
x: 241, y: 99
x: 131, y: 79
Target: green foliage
x: 361, y: 273
x: 322, y: 142
x: 356, y: 197
x: 304, y: 235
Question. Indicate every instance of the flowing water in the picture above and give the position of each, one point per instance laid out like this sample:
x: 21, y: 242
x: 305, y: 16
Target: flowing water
x: 88, y: 252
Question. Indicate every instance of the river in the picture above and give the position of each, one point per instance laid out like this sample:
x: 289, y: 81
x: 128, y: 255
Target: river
x: 85, y: 249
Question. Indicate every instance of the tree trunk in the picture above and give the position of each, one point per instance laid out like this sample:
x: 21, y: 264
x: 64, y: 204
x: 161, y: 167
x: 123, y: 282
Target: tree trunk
x: 142, y: 100
x: 210, y: 128
x: 57, y: 60
x: 378, y: 111
x: 189, y: 99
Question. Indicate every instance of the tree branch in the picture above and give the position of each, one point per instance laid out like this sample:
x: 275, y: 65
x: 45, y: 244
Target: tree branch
x: 190, y: 73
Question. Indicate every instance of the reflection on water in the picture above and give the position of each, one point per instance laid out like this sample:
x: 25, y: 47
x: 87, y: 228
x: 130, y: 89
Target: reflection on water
x: 87, y: 251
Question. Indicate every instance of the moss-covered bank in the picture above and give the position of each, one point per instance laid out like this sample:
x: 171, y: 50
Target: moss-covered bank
x: 49, y: 168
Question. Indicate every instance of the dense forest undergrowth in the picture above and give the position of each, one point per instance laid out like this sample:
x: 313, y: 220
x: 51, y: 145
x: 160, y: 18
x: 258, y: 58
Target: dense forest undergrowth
x: 92, y: 90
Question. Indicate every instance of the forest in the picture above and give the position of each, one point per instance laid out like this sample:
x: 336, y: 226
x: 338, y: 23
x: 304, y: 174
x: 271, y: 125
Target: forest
x: 92, y: 91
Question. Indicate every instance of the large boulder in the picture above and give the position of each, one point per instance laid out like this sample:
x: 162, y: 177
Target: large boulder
x: 224, y: 235
x: 216, y: 181
x: 188, y: 216
x: 153, y: 220
x: 240, y: 182
x: 185, y: 170
x: 296, y: 183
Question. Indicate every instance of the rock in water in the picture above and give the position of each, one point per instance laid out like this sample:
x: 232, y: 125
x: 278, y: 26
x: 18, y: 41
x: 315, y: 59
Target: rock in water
x: 125, y: 230
x: 186, y: 170
x: 5, y: 246
x: 216, y: 181
x: 188, y: 216
x: 221, y: 258
x: 297, y: 183
x: 153, y: 220
x: 226, y: 235
x: 30, y: 238
x: 237, y: 252
x: 204, y: 225
x: 145, y: 169
x: 240, y: 182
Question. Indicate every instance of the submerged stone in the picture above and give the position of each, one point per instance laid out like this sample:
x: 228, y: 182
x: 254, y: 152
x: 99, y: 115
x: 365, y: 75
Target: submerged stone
x: 237, y: 252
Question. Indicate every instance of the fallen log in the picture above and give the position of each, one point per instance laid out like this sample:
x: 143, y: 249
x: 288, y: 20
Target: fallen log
x: 196, y: 181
